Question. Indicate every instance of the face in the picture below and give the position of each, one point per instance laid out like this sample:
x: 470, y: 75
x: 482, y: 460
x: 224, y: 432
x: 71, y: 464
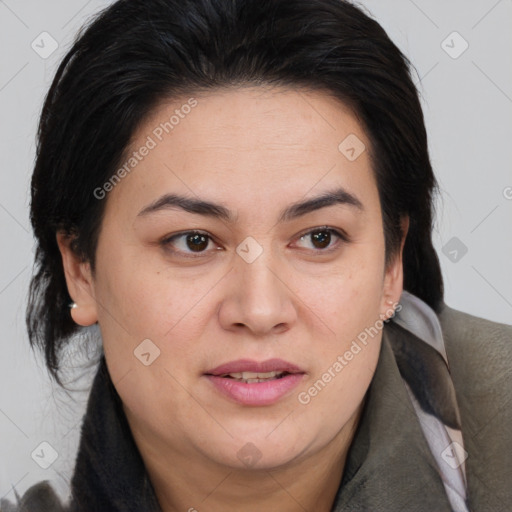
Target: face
x: 244, y: 238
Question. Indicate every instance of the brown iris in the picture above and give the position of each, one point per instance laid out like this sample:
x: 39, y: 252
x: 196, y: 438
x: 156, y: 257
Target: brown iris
x: 197, y: 242
x: 321, y: 239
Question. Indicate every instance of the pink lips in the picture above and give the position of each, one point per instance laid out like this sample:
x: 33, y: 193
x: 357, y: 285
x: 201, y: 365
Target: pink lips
x: 256, y: 393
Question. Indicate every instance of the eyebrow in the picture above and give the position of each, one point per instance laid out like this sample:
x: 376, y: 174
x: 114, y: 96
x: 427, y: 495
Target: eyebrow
x: 214, y: 210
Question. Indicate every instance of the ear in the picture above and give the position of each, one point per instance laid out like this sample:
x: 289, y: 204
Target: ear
x: 394, y: 277
x: 79, y: 281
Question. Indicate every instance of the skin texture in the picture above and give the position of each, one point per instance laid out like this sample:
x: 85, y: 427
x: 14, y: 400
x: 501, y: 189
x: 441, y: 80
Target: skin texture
x: 256, y: 151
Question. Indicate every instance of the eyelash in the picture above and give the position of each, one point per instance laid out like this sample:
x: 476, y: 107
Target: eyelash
x: 166, y: 242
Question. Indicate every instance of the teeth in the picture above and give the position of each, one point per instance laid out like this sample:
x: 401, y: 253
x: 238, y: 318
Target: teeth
x: 250, y: 377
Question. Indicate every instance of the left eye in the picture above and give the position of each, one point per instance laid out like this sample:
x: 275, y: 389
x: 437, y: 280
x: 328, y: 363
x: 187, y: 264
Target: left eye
x: 321, y: 238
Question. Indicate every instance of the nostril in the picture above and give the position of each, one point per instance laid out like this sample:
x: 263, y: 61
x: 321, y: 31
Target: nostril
x: 279, y: 328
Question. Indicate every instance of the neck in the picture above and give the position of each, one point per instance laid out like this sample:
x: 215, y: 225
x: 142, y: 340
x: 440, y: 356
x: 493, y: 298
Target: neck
x: 190, y: 484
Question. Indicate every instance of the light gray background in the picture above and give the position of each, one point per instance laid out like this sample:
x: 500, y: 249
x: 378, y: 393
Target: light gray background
x: 467, y: 103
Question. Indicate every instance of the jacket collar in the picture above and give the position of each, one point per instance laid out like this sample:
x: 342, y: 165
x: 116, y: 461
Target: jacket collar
x: 389, y: 466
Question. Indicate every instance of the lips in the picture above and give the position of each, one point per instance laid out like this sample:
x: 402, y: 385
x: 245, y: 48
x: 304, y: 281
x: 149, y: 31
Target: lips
x: 255, y: 383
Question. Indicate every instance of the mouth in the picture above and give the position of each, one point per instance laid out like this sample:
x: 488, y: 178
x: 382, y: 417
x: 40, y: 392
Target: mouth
x: 252, y: 377
x: 255, y: 383
x: 249, y: 370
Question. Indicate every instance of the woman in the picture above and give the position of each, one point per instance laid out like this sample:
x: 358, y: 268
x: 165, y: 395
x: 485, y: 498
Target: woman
x: 239, y: 194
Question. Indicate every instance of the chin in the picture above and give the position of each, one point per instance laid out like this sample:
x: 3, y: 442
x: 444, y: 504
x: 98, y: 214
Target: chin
x: 262, y: 450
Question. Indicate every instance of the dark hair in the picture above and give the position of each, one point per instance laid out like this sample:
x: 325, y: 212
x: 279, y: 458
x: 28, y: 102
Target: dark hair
x: 136, y: 53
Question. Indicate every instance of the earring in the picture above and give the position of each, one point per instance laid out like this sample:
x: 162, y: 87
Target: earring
x: 73, y: 305
x: 386, y: 317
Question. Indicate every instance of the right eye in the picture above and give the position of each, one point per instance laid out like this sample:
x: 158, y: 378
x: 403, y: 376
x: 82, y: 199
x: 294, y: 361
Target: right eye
x: 189, y: 244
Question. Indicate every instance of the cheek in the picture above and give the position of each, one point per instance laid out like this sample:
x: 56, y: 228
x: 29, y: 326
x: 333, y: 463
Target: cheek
x: 347, y: 299
x: 132, y: 294
x: 348, y: 306
x: 347, y: 353
x: 141, y: 307
x: 138, y: 303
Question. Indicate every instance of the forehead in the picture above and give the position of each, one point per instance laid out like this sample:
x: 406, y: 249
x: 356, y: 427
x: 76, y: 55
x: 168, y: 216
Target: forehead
x: 253, y: 117
x: 250, y: 141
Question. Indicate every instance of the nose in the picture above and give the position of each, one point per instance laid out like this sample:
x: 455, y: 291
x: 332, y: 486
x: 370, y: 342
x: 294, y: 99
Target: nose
x: 258, y: 299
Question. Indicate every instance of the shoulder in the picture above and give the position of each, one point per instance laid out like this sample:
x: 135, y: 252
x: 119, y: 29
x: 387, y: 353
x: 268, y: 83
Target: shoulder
x: 476, y: 347
x: 479, y: 352
x: 455, y: 321
x: 40, y: 497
